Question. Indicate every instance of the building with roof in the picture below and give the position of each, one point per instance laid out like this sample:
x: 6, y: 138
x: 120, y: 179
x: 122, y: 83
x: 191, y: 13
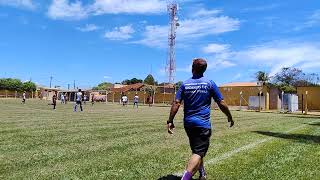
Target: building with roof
x: 309, y: 96
x: 232, y: 93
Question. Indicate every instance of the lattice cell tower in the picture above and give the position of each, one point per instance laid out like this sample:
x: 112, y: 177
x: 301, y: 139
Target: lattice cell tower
x: 173, y: 24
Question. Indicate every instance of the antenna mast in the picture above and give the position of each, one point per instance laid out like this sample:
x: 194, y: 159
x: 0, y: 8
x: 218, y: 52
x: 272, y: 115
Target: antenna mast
x: 173, y: 24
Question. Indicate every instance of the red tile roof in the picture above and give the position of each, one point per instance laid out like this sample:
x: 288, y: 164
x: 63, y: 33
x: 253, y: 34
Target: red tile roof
x: 240, y: 84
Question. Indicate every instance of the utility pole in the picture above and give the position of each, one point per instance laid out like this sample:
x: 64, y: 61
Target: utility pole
x: 51, y: 80
x: 74, y: 84
x: 68, y: 86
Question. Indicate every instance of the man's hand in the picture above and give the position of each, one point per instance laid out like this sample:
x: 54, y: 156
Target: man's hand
x: 231, y: 121
x: 170, y: 127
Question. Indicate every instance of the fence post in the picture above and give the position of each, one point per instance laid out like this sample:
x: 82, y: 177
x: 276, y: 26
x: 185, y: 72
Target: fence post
x: 106, y: 97
x: 259, y: 101
x: 113, y: 97
x: 282, y: 108
x: 240, y: 100
x: 306, y: 111
x: 6, y: 93
x: 302, y: 105
x: 32, y: 94
x: 15, y: 94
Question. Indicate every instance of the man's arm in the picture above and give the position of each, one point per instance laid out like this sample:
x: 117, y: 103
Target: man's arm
x: 174, y: 109
x: 224, y: 108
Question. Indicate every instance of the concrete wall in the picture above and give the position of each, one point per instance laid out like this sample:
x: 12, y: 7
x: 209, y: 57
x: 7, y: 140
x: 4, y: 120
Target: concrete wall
x: 143, y: 97
x: 16, y: 94
x: 232, y: 94
x: 313, y: 97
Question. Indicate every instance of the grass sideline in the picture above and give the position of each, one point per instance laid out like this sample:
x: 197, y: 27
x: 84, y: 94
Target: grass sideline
x: 108, y: 141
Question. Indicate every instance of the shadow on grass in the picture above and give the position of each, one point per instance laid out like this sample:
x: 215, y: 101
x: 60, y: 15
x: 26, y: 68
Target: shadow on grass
x: 314, y: 124
x: 303, y: 116
x: 171, y: 177
x: 297, y: 137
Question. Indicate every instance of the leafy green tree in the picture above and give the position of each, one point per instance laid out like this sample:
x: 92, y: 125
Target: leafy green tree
x: 11, y: 84
x: 149, y: 80
x: 262, y: 76
x: 289, y: 78
x: 29, y: 86
x: 103, y: 86
x: 178, y: 84
x: 132, y: 81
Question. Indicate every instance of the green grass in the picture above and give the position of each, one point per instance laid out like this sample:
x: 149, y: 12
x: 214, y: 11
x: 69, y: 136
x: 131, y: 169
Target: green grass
x: 113, y: 142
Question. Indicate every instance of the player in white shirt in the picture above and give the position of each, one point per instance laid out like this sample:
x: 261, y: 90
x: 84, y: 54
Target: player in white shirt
x: 124, y: 100
x: 135, y: 101
x: 78, y: 100
x: 24, y: 97
x: 62, y: 98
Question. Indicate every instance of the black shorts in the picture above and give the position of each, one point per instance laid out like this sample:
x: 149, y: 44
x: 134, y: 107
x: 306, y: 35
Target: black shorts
x: 79, y: 102
x: 199, y: 139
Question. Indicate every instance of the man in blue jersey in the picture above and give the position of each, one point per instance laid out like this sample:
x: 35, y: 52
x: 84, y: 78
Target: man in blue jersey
x: 197, y: 93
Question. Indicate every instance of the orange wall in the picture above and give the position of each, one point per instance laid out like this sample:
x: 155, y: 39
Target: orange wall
x: 313, y: 97
x: 232, y: 94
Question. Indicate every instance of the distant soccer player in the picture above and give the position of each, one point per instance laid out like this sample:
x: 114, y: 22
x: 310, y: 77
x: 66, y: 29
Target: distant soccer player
x: 85, y: 99
x: 197, y: 93
x: 124, y: 100
x: 78, y: 100
x: 62, y: 98
x: 135, y: 101
x: 54, y: 101
x: 24, y: 97
x: 92, y: 100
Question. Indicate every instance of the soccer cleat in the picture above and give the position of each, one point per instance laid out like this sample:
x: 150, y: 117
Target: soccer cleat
x: 203, y: 178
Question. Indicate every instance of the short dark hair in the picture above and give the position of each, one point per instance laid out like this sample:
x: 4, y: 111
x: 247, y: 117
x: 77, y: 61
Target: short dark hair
x: 199, y: 66
x: 79, y: 90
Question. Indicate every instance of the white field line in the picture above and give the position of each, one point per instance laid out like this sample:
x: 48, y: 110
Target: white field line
x: 247, y: 147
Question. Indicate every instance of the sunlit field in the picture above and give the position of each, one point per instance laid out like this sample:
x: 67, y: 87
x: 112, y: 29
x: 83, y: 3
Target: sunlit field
x: 108, y: 141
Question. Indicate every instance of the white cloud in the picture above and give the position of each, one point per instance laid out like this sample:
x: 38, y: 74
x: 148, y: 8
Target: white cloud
x: 74, y: 10
x: 189, y: 29
x: 279, y: 54
x: 311, y: 21
x: 205, y: 12
x: 128, y: 6
x: 219, y: 64
x: 314, y: 19
x: 88, y: 28
x: 28, y: 4
x: 261, y: 8
x: 107, y: 77
x: 120, y: 33
x: 215, y: 64
x: 215, y: 48
x: 63, y: 9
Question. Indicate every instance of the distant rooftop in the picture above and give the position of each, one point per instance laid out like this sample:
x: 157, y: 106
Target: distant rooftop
x: 240, y: 84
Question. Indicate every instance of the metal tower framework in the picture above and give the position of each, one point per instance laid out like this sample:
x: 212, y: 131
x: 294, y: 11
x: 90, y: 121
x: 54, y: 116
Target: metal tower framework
x: 173, y: 24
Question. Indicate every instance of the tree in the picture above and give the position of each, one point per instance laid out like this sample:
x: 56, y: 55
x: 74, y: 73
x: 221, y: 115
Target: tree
x: 11, y: 84
x: 16, y: 85
x: 289, y: 78
x: 149, y: 80
x: 178, y: 84
x: 132, y: 81
x: 29, y: 86
x: 103, y: 86
x: 262, y: 76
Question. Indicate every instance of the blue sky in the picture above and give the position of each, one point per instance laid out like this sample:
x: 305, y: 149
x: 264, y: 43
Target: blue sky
x: 91, y: 41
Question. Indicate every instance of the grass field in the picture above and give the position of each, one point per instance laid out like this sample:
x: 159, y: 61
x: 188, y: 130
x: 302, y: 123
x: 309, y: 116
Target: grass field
x: 113, y: 142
